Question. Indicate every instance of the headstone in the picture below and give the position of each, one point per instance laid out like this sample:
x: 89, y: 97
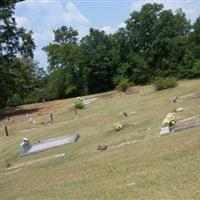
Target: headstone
x: 131, y: 184
x: 25, y: 145
x: 165, y: 131
x: 174, y: 99
x: 89, y: 101
x: 47, y: 144
x: 179, y: 110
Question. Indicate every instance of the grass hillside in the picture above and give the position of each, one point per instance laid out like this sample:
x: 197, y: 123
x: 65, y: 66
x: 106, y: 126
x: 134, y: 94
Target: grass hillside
x: 138, y: 164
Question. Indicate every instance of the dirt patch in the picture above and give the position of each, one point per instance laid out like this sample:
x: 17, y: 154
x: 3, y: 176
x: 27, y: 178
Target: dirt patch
x: 37, y: 109
x: 116, y: 146
x: 17, y: 112
x: 107, y: 94
x: 131, y: 92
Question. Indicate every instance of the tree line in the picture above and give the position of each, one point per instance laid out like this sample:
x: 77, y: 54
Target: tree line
x: 155, y: 43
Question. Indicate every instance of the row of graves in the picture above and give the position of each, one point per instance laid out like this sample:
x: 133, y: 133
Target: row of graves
x: 27, y: 148
x: 170, y: 123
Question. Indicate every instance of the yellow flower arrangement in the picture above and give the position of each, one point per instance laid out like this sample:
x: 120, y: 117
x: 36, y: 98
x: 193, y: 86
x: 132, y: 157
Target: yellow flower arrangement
x: 170, y: 119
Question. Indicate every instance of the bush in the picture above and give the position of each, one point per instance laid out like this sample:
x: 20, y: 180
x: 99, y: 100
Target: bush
x: 123, y: 85
x: 196, y: 69
x: 164, y: 83
x: 79, y: 105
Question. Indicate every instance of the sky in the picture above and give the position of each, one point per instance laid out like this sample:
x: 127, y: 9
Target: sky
x: 44, y: 16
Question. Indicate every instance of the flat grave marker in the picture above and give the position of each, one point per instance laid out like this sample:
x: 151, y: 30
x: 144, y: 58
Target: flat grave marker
x: 51, y: 143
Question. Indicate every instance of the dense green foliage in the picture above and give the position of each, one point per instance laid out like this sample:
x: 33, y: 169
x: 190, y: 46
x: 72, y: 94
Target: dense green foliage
x: 79, y: 104
x: 154, y: 43
x: 164, y: 83
x: 100, y: 60
x: 18, y: 72
x: 123, y: 85
x: 66, y: 75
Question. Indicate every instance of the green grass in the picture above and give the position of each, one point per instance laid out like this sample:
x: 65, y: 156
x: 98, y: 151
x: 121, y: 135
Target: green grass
x: 161, y: 167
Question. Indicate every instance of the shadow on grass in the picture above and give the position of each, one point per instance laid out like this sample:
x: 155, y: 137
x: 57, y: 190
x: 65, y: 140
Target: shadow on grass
x: 10, y: 112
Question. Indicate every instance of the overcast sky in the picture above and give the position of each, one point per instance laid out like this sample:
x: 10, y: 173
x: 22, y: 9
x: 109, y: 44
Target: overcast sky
x: 43, y: 16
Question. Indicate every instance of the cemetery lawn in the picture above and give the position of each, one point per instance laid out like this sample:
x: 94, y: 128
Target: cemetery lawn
x: 150, y: 167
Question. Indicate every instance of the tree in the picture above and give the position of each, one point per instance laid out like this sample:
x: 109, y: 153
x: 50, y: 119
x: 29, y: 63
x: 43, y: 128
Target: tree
x: 55, y: 88
x: 141, y: 28
x: 195, y: 39
x: 160, y: 37
x: 14, y: 43
x: 27, y: 79
x: 196, y: 32
x: 154, y: 43
x: 64, y: 53
x: 100, y: 60
x: 134, y: 70
x: 65, y: 35
x: 171, y: 42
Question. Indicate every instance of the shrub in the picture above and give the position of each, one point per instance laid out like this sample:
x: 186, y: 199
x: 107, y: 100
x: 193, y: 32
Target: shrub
x: 196, y: 69
x: 164, y: 83
x: 123, y: 85
x: 79, y: 104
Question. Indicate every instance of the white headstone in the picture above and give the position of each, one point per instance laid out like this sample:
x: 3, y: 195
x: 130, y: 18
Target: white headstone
x: 165, y: 130
x: 179, y: 110
x: 25, y: 145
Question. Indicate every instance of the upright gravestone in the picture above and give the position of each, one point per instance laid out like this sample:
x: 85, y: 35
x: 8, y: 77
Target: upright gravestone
x: 25, y: 145
x: 165, y: 130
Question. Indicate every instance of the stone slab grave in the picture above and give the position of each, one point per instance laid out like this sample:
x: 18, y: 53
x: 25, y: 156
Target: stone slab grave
x: 51, y: 143
x: 179, y: 127
x: 179, y: 110
x: 185, y: 126
x: 190, y: 96
x: 89, y: 101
